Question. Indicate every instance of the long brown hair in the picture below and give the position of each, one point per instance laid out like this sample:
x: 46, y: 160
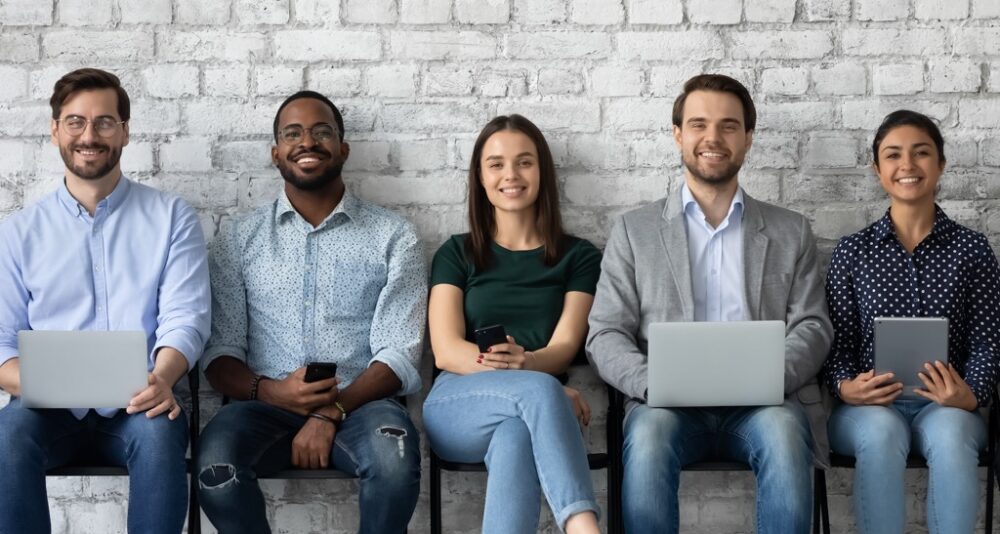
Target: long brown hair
x: 482, y: 219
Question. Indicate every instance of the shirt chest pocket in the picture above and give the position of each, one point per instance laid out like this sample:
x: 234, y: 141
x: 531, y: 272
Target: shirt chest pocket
x: 353, y: 289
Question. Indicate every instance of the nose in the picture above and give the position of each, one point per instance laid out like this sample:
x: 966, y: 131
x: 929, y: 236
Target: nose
x: 89, y: 132
x: 307, y: 139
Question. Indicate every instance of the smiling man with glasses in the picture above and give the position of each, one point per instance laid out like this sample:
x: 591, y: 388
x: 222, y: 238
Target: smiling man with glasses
x: 317, y: 276
x: 101, y: 253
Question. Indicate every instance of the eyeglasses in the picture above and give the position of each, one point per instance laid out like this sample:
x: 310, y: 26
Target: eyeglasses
x: 104, y: 126
x: 292, y: 135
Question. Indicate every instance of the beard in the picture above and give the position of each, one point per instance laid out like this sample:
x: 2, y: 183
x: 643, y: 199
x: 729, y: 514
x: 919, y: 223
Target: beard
x: 90, y: 172
x: 714, y: 178
x: 328, y: 176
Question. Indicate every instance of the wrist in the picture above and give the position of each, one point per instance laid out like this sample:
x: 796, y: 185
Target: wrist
x: 260, y: 389
x: 323, y: 417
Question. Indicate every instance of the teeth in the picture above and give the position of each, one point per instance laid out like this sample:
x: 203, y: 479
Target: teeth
x: 711, y: 154
x: 908, y: 180
x: 307, y: 160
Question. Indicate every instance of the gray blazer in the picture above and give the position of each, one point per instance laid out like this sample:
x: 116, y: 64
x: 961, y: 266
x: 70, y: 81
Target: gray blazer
x: 646, y: 278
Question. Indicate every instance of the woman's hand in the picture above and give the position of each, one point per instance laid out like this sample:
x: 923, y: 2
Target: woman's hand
x: 508, y: 355
x: 945, y: 386
x: 869, y: 388
x: 580, y: 407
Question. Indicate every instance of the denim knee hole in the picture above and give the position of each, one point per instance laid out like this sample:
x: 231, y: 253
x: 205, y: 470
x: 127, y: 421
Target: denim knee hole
x: 395, y: 433
x: 217, y: 476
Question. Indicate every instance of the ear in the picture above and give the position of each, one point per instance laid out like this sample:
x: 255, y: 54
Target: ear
x: 54, y: 132
x: 677, y: 135
x: 274, y: 155
x: 125, y: 130
x: 345, y: 150
x: 749, y: 139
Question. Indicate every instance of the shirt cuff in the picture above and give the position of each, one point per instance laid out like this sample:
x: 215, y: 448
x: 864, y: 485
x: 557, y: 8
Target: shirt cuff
x: 214, y: 352
x: 836, y: 378
x: 983, y: 395
x: 182, y: 342
x: 400, y: 365
x: 7, y: 353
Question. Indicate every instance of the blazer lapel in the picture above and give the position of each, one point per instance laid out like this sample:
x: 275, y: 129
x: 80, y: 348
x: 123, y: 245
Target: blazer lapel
x: 673, y: 233
x: 754, y: 254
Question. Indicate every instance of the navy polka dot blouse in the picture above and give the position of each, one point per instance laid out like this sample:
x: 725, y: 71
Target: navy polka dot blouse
x: 952, y: 273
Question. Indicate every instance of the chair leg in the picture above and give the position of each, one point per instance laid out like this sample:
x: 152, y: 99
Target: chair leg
x: 822, y: 502
x: 435, y: 494
x: 818, y: 478
x: 990, y: 488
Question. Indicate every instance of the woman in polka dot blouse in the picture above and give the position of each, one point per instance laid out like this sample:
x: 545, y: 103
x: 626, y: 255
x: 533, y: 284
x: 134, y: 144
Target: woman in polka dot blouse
x: 913, y: 262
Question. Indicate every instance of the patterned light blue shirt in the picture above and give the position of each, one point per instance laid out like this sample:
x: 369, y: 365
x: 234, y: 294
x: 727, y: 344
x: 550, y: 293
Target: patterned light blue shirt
x: 353, y: 291
x: 138, y: 264
x: 716, y: 256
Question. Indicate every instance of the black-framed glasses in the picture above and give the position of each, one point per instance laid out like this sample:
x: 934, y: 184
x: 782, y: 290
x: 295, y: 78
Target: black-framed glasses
x: 104, y: 126
x: 293, y: 135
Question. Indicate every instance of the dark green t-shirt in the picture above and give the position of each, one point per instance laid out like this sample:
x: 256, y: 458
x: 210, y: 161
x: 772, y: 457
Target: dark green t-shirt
x: 519, y: 291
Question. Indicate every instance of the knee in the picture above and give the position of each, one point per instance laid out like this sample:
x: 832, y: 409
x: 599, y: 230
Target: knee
x: 541, y: 388
x: 219, y: 476
x: 395, y: 461
x: 785, y: 435
x: 651, y: 433
x: 881, y: 434
x: 158, y: 437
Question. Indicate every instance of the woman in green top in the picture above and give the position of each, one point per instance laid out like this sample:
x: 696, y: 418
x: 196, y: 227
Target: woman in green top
x: 518, y: 269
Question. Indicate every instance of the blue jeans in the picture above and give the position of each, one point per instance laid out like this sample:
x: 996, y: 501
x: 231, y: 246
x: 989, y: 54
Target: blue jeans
x: 153, y: 450
x: 377, y: 442
x: 522, y: 425
x: 880, y: 437
x: 774, y: 440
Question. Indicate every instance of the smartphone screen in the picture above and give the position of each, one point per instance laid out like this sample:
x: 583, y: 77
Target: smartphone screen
x: 488, y: 336
x: 317, y: 371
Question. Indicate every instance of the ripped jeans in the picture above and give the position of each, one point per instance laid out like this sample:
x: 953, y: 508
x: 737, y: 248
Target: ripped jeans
x: 377, y: 442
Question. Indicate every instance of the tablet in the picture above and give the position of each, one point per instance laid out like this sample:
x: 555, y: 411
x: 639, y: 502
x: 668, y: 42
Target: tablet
x: 904, y: 344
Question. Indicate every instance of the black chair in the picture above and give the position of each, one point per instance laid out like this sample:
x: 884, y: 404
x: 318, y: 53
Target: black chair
x: 987, y: 459
x: 194, y: 417
x: 596, y: 461
x: 616, y: 443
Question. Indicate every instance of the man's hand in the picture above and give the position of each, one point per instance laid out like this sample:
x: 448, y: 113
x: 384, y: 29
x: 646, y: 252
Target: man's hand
x: 945, y: 386
x: 312, y: 444
x: 157, y: 398
x: 294, y: 394
x: 869, y: 388
x: 10, y: 376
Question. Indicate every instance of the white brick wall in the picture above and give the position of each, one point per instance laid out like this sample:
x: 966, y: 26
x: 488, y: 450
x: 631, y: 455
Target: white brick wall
x: 416, y: 79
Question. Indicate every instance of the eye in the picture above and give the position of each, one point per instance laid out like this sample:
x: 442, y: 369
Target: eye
x: 495, y: 165
x: 892, y: 156
x: 526, y: 163
x: 322, y: 133
x: 75, y: 122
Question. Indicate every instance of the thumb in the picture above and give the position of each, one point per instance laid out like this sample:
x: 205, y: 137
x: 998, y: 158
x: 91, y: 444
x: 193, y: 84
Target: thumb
x: 152, y: 379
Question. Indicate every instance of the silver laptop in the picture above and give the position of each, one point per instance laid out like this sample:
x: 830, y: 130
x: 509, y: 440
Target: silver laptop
x: 904, y: 344
x: 81, y: 369
x: 735, y: 363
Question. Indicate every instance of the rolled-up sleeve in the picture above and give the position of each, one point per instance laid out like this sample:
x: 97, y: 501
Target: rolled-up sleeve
x: 229, y: 305
x: 13, y: 296
x: 184, y: 318
x: 397, y: 328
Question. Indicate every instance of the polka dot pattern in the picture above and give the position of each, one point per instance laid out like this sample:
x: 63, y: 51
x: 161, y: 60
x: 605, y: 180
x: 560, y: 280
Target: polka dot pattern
x: 952, y: 273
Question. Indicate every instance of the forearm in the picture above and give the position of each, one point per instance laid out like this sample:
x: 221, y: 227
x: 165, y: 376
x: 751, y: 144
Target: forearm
x: 457, y: 356
x: 376, y: 382
x: 10, y: 376
x: 170, y: 365
x: 231, y: 377
x: 553, y: 359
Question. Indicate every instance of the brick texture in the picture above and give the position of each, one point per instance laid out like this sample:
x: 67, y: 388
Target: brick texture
x: 417, y: 79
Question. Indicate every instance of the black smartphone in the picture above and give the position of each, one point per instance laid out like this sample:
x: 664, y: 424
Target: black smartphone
x: 317, y: 371
x: 488, y: 336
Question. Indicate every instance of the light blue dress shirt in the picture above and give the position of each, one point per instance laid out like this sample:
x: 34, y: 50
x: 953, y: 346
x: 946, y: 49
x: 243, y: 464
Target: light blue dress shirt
x: 138, y: 264
x: 716, y: 256
x: 352, y: 290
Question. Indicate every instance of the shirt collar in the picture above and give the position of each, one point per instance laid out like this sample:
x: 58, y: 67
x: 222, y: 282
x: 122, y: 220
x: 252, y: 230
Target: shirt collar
x: 349, y: 205
x: 110, y: 202
x: 691, y: 207
x: 943, y: 226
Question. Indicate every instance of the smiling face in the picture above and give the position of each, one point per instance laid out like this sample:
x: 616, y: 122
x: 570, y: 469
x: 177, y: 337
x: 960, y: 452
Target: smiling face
x: 309, y: 164
x: 909, y: 165
x: 89, y: 156
x: 509, y: 171
x: 712, y: 137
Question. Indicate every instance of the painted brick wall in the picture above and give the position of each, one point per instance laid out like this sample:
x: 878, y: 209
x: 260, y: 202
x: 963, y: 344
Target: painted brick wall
x: 416, y: 79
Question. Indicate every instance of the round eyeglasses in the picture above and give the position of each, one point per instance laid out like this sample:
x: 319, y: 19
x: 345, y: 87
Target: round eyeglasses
x: 104, y: 126
x: 293, y: 135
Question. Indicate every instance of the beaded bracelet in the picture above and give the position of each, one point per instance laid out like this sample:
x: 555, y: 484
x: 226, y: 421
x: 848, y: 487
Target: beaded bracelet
x: 254, y: 385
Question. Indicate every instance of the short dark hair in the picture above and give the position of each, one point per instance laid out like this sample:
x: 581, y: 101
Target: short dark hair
x: 86, y: 80
x: 315, y: 96
x: 720, y: 83
x: 482, y: 219
x: 905, y: 117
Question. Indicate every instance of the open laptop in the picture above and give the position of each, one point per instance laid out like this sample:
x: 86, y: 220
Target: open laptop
x: 81, y: 369
x: 904, y: 344
x: 734, y: 363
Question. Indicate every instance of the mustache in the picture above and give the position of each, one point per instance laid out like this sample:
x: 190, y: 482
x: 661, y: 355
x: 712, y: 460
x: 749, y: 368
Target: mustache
x: 319, y: 151
x: 89, y: 146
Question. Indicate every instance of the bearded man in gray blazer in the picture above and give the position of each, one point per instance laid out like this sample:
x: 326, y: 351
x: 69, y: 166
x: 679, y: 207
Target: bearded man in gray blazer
x: 710, y: 252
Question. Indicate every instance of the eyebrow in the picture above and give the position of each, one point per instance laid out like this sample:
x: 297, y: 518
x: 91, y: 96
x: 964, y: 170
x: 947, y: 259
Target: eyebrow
x: 897, y: 147
x: 74, y: 115
x: 727, y: 120
x: 300, y: 126
x: 521, y: 155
